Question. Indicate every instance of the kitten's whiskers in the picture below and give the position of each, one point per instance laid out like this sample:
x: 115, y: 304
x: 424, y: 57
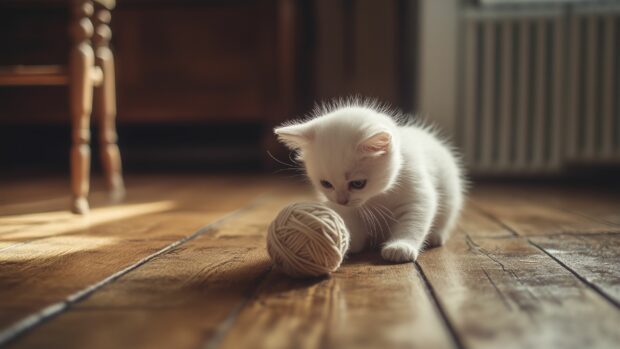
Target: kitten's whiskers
x: 382, y: 215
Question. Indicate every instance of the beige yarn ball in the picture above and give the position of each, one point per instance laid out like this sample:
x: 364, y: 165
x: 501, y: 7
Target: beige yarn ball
x: 307, y: 239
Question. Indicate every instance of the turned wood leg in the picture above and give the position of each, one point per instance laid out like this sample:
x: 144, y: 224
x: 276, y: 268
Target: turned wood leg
x: 106, y: 107
x: 81, y: 97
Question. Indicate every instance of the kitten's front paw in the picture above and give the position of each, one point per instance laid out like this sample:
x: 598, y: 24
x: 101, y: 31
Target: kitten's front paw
x: 399, y: 252
x: 434, y: 240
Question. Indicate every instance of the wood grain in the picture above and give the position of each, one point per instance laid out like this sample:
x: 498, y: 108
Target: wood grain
x: 81, y: 64
x: 15, y: 191
x: 33, y: 75
x: 507, y: 293
x: 595, y: 258
x: 165, y: 73
x: 533, y: 216
x: 106, y: 106
x: 477, y: 223
x: 179, y: 299
x: 598, y: 203
x: 172, y: 78
x: 526, y: 268
x: 47, y: 269
x: 365, y: 304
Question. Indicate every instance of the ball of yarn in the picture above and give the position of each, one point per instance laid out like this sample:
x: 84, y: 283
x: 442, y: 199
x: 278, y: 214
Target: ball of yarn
x: 307, y: 239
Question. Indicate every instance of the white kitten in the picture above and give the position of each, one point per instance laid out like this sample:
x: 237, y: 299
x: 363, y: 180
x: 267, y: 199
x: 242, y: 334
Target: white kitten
x: 387, y: 179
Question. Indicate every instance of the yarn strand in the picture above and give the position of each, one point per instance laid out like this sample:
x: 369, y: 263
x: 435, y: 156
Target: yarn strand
x: 307, y: 239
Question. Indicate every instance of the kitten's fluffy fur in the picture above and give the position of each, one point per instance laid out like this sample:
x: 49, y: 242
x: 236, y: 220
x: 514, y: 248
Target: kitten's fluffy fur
x: 414, y: 188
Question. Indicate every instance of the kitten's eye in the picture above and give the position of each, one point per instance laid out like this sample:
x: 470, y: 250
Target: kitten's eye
x: 326, y: 184
x: 359, y: 184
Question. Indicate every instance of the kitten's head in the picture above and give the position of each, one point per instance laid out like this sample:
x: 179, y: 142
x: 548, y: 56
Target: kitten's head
x: 350, y: 154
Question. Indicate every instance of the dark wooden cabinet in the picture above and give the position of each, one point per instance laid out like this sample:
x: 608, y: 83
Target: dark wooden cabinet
x: 230, y: 69
x: 198, y: 61
x: 177, y: 61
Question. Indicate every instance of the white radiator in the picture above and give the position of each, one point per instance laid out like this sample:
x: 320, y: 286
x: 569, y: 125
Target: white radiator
x: 536, y: 88
x: 593, y: 100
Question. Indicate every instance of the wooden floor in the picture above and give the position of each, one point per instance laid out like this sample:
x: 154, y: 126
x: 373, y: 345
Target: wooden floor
x: 182, y: 264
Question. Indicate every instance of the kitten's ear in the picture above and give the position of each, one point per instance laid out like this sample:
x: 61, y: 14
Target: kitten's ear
x: 295, y: 137
x: 376, y: 145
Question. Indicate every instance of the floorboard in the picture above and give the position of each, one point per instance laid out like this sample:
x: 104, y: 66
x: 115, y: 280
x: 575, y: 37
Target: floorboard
x: 182, y: 263
x: 507, y: 293
x: 595, y: 258
x: 591, y: 203
x: 54, y: 261
x: 599, y: 204
x: 529, y: 217
x: 366, y: 304
x: 481, y: 224
x: 179, y: 299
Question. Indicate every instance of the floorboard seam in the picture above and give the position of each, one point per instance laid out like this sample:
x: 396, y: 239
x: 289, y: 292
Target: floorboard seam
x: 225, y: 326
x: 499, y: 292
x: 574, y: 234
x: 442, y: 313
x: 581, y: 278
x: 31, y: 321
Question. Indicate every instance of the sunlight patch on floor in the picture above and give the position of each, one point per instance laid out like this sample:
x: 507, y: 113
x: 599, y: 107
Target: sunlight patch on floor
x: 55, y: 247
x: 39, y: 225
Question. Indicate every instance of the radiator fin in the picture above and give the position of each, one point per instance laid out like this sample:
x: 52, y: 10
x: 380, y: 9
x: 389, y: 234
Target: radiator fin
x: 540, y: 91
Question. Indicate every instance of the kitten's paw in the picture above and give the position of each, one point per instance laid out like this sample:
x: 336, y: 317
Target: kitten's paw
x: 434, y: 240
x: 399, y: 252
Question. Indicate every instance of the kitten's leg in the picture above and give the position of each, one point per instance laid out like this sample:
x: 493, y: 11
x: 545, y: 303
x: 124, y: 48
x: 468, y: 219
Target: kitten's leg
x: 414, y: 222
x: 450, y: 204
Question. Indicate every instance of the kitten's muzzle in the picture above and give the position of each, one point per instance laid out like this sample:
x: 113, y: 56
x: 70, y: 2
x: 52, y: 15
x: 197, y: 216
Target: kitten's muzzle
x: 342, y: 198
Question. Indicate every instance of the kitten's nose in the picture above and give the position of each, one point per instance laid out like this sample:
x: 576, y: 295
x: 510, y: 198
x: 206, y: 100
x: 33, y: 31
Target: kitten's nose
x: 343, y: 201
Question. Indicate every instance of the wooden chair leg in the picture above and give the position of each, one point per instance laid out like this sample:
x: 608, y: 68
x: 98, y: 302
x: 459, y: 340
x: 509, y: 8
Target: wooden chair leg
x: 81, y: 98
x: 106, y: 97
